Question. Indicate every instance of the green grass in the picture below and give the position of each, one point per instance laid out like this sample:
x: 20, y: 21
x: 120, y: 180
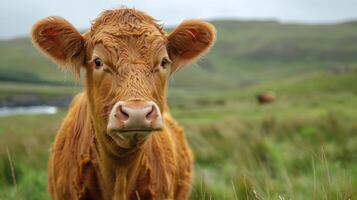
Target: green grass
x: 30, y: 93
x: 300, y: 147
x: 11, y: 88
x: 28, y: 140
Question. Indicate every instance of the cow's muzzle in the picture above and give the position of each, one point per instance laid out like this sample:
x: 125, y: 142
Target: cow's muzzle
x: 130, y: 118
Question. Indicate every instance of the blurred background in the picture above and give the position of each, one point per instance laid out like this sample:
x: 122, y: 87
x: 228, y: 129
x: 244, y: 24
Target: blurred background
x: 270, y: 112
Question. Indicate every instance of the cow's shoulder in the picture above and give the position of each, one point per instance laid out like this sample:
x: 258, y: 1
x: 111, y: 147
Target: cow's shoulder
x: 72, y: 160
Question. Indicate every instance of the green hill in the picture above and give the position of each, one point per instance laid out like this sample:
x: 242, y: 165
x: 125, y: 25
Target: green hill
x: 21, y: 62
x: 246, y: 52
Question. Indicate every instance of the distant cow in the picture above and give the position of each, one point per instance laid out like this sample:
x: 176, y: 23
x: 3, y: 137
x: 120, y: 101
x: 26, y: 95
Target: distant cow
x: 265, y: 98
x: 118, y: 140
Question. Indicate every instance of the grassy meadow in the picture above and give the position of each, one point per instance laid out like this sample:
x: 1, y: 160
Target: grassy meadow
x: 302, y: 146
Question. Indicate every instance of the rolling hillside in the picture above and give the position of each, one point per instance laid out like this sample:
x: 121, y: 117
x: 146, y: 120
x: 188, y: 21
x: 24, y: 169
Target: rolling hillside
x: 246, y: 53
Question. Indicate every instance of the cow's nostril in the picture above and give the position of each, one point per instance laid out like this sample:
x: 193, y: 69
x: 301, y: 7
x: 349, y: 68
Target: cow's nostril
x: 151, y: 113
x: 121, y: 114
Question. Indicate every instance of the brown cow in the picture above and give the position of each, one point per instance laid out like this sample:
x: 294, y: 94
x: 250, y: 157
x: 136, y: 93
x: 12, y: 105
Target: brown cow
x: 118, y: 140
x: 265, y: 98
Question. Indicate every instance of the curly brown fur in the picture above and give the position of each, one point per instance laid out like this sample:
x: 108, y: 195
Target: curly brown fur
x: 85, y: 162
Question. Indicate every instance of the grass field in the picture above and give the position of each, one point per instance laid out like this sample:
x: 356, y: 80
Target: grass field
x: 303, y: 146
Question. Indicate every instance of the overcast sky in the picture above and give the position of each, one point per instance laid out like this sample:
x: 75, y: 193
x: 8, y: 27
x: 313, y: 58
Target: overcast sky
x: 17, y: 16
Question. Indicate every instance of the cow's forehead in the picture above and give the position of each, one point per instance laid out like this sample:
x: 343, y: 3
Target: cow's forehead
x: 128, y: 29
x: 131, y: 49
x: 125, y: 23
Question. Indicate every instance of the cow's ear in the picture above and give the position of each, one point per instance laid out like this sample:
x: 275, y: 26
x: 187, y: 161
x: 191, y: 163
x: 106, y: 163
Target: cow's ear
x: 59, y: 40
x: 189, y: 41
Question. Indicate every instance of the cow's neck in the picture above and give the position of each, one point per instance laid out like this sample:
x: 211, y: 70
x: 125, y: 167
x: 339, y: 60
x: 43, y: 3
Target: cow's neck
x: 119, y: 174
x: 116, y: 172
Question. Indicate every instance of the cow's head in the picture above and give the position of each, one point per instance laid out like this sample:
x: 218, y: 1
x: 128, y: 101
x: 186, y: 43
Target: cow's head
x: 128, y: 59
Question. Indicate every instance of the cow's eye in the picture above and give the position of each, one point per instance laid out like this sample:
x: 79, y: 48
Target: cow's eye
x: 98, y: 63
x: 164, y: 62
